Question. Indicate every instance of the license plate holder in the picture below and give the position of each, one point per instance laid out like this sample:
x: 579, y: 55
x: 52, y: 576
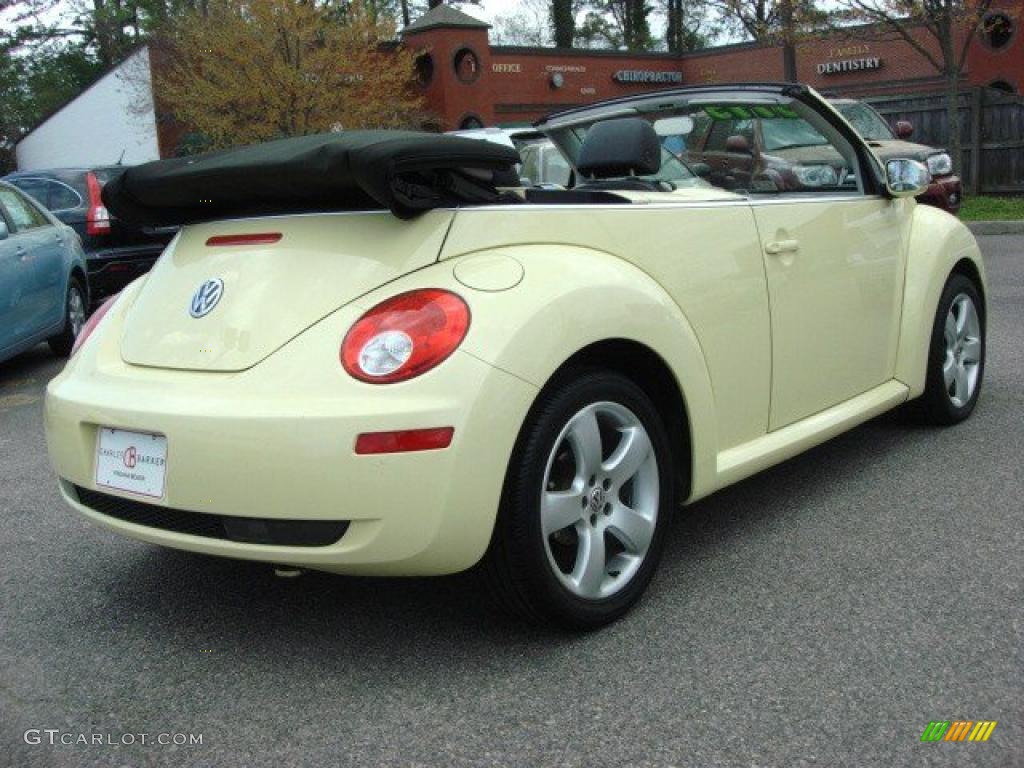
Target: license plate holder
x: 131, y: 461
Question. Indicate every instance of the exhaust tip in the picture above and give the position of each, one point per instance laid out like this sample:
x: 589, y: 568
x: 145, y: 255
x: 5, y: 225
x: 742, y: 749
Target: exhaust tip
x: 287, y: 571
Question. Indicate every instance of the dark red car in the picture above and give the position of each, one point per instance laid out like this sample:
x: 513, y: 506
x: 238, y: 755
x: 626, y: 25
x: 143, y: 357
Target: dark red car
x: 766, y: 150
x: 944, y: 191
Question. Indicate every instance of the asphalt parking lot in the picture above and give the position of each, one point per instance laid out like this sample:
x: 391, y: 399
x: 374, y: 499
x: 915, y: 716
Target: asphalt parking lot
x: 819, y: 614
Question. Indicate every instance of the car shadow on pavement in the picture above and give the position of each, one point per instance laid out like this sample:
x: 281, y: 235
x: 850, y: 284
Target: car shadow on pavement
x: 23, y: 378
x: 34, y: 366
x: 244, y: 609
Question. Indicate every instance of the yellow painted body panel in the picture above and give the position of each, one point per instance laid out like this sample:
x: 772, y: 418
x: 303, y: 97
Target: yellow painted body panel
x: 277, y: 441
x: 687, y: 281
x: 687, y: 278
x: 268, y: 295
x: 836, y: 287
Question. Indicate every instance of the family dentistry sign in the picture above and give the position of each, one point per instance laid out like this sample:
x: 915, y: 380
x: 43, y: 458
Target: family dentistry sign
x: 849, y: 65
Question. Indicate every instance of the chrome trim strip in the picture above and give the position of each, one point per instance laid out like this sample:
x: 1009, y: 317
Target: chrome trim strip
x: 644, y: 206
x: 521, y: 207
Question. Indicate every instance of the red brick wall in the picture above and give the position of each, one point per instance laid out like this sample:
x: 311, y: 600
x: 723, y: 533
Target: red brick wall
x: 515, y: 85
x: 1006, y: 64
x: 447, y: 96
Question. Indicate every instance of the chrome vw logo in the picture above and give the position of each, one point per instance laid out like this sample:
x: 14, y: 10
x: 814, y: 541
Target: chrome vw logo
x: 206, y: 298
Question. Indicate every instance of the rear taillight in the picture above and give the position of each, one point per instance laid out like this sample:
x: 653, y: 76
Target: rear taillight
x: 405, y: 336
x: 92, y: 322
x: 97, y: 220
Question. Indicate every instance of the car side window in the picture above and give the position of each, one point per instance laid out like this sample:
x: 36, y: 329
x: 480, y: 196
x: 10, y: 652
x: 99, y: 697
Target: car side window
x: 751, y: 148
x: 52, y: 194
x: 21, y: 211
x: 777, y: 149
x: 62, y: 197
x: 555, y: 167
x: 531, y: 167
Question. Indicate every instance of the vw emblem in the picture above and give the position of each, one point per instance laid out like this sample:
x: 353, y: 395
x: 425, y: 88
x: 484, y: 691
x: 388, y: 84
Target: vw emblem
x: 206, y: 298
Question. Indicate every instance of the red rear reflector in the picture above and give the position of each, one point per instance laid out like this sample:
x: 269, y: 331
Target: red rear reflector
x: 405, y: 440
x: 258, y: 238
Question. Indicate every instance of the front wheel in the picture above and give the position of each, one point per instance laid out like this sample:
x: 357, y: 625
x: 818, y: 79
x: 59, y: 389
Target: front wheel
x: 586, y: 503
x: 956, y: 357
x: 74, y: 318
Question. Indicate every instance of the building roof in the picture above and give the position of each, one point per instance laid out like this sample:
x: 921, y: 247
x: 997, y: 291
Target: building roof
x: 445, y: 15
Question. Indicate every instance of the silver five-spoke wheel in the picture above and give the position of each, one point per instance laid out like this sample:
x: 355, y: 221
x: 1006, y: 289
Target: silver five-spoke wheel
x: 963, y: 350
x: 599, y: 505
x: 76, y: 311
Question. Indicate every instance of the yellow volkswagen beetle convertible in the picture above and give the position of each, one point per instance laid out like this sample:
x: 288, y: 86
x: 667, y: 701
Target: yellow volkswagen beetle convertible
x: 379, y: 353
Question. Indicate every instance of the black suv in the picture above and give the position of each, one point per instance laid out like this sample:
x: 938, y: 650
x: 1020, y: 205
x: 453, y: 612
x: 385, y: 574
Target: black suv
x: 116, y: 252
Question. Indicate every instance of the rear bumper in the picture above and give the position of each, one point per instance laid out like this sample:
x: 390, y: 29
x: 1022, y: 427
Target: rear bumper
x: 276, y: 442
x: 944, y: 193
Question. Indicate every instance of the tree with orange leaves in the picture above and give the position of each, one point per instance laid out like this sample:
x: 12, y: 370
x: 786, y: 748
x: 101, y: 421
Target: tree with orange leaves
x: 246, y: 71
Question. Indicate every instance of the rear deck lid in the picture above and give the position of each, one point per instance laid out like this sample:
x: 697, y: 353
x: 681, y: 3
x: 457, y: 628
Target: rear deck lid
x: 209, y: 306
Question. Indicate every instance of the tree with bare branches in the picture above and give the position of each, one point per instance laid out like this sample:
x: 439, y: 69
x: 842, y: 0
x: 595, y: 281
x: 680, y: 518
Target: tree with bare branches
x: 941, y: 31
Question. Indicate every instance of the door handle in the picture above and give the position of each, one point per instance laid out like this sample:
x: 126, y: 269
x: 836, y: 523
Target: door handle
x: 22, y: 254
x: 782, y: 246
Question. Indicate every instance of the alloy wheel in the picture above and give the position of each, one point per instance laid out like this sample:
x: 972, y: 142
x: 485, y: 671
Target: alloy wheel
x: 76, y: 311
x: 962, y: 337
x: 599, y: 504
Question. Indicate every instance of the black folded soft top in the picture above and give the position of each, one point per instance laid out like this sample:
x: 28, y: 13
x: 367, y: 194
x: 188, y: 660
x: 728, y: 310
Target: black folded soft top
x: 403, y: 171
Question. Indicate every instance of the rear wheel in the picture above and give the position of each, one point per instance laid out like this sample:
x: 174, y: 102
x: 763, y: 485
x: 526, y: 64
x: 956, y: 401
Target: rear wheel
x: 74, y: 319
x: 586, y: 504
x: 956, y: 358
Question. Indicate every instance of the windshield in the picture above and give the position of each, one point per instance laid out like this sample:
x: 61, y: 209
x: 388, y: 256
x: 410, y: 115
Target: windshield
x: 866, y: 121
x: 786, y: 134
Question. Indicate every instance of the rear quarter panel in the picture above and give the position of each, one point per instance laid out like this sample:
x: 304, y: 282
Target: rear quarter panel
x: 685, y: 281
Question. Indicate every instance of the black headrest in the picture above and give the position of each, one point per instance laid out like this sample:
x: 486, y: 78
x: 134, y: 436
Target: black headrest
x: 626, y: 146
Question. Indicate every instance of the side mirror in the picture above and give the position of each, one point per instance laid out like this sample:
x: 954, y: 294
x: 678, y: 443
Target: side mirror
x: 525, y: 181
x: 737, y: 145
x: 906, y: 178
x: 700, y: 169
x: 904, y: 129
x: 4, y: 232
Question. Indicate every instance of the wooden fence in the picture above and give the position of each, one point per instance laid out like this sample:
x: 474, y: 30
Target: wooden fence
x: 991, y: 130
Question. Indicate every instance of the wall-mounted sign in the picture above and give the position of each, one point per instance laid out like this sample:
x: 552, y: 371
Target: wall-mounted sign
x: 848, y: 51
x: 576, y: 68
x: 849, y: 65
x: 646, y: 76
x: 506, y: 67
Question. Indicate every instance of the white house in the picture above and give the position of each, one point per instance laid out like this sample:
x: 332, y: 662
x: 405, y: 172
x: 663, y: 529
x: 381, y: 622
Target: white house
x: 112, y: 120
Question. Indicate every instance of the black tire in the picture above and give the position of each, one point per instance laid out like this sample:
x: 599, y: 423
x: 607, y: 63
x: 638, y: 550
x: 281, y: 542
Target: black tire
x: 62, y: 343
x: 938, y: 405
x: 517, y: 566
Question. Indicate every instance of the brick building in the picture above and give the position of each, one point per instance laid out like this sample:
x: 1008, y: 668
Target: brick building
x: 469, y: 82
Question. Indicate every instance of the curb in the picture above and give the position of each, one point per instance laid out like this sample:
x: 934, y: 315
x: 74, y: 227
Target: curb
x: 996, y: 227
